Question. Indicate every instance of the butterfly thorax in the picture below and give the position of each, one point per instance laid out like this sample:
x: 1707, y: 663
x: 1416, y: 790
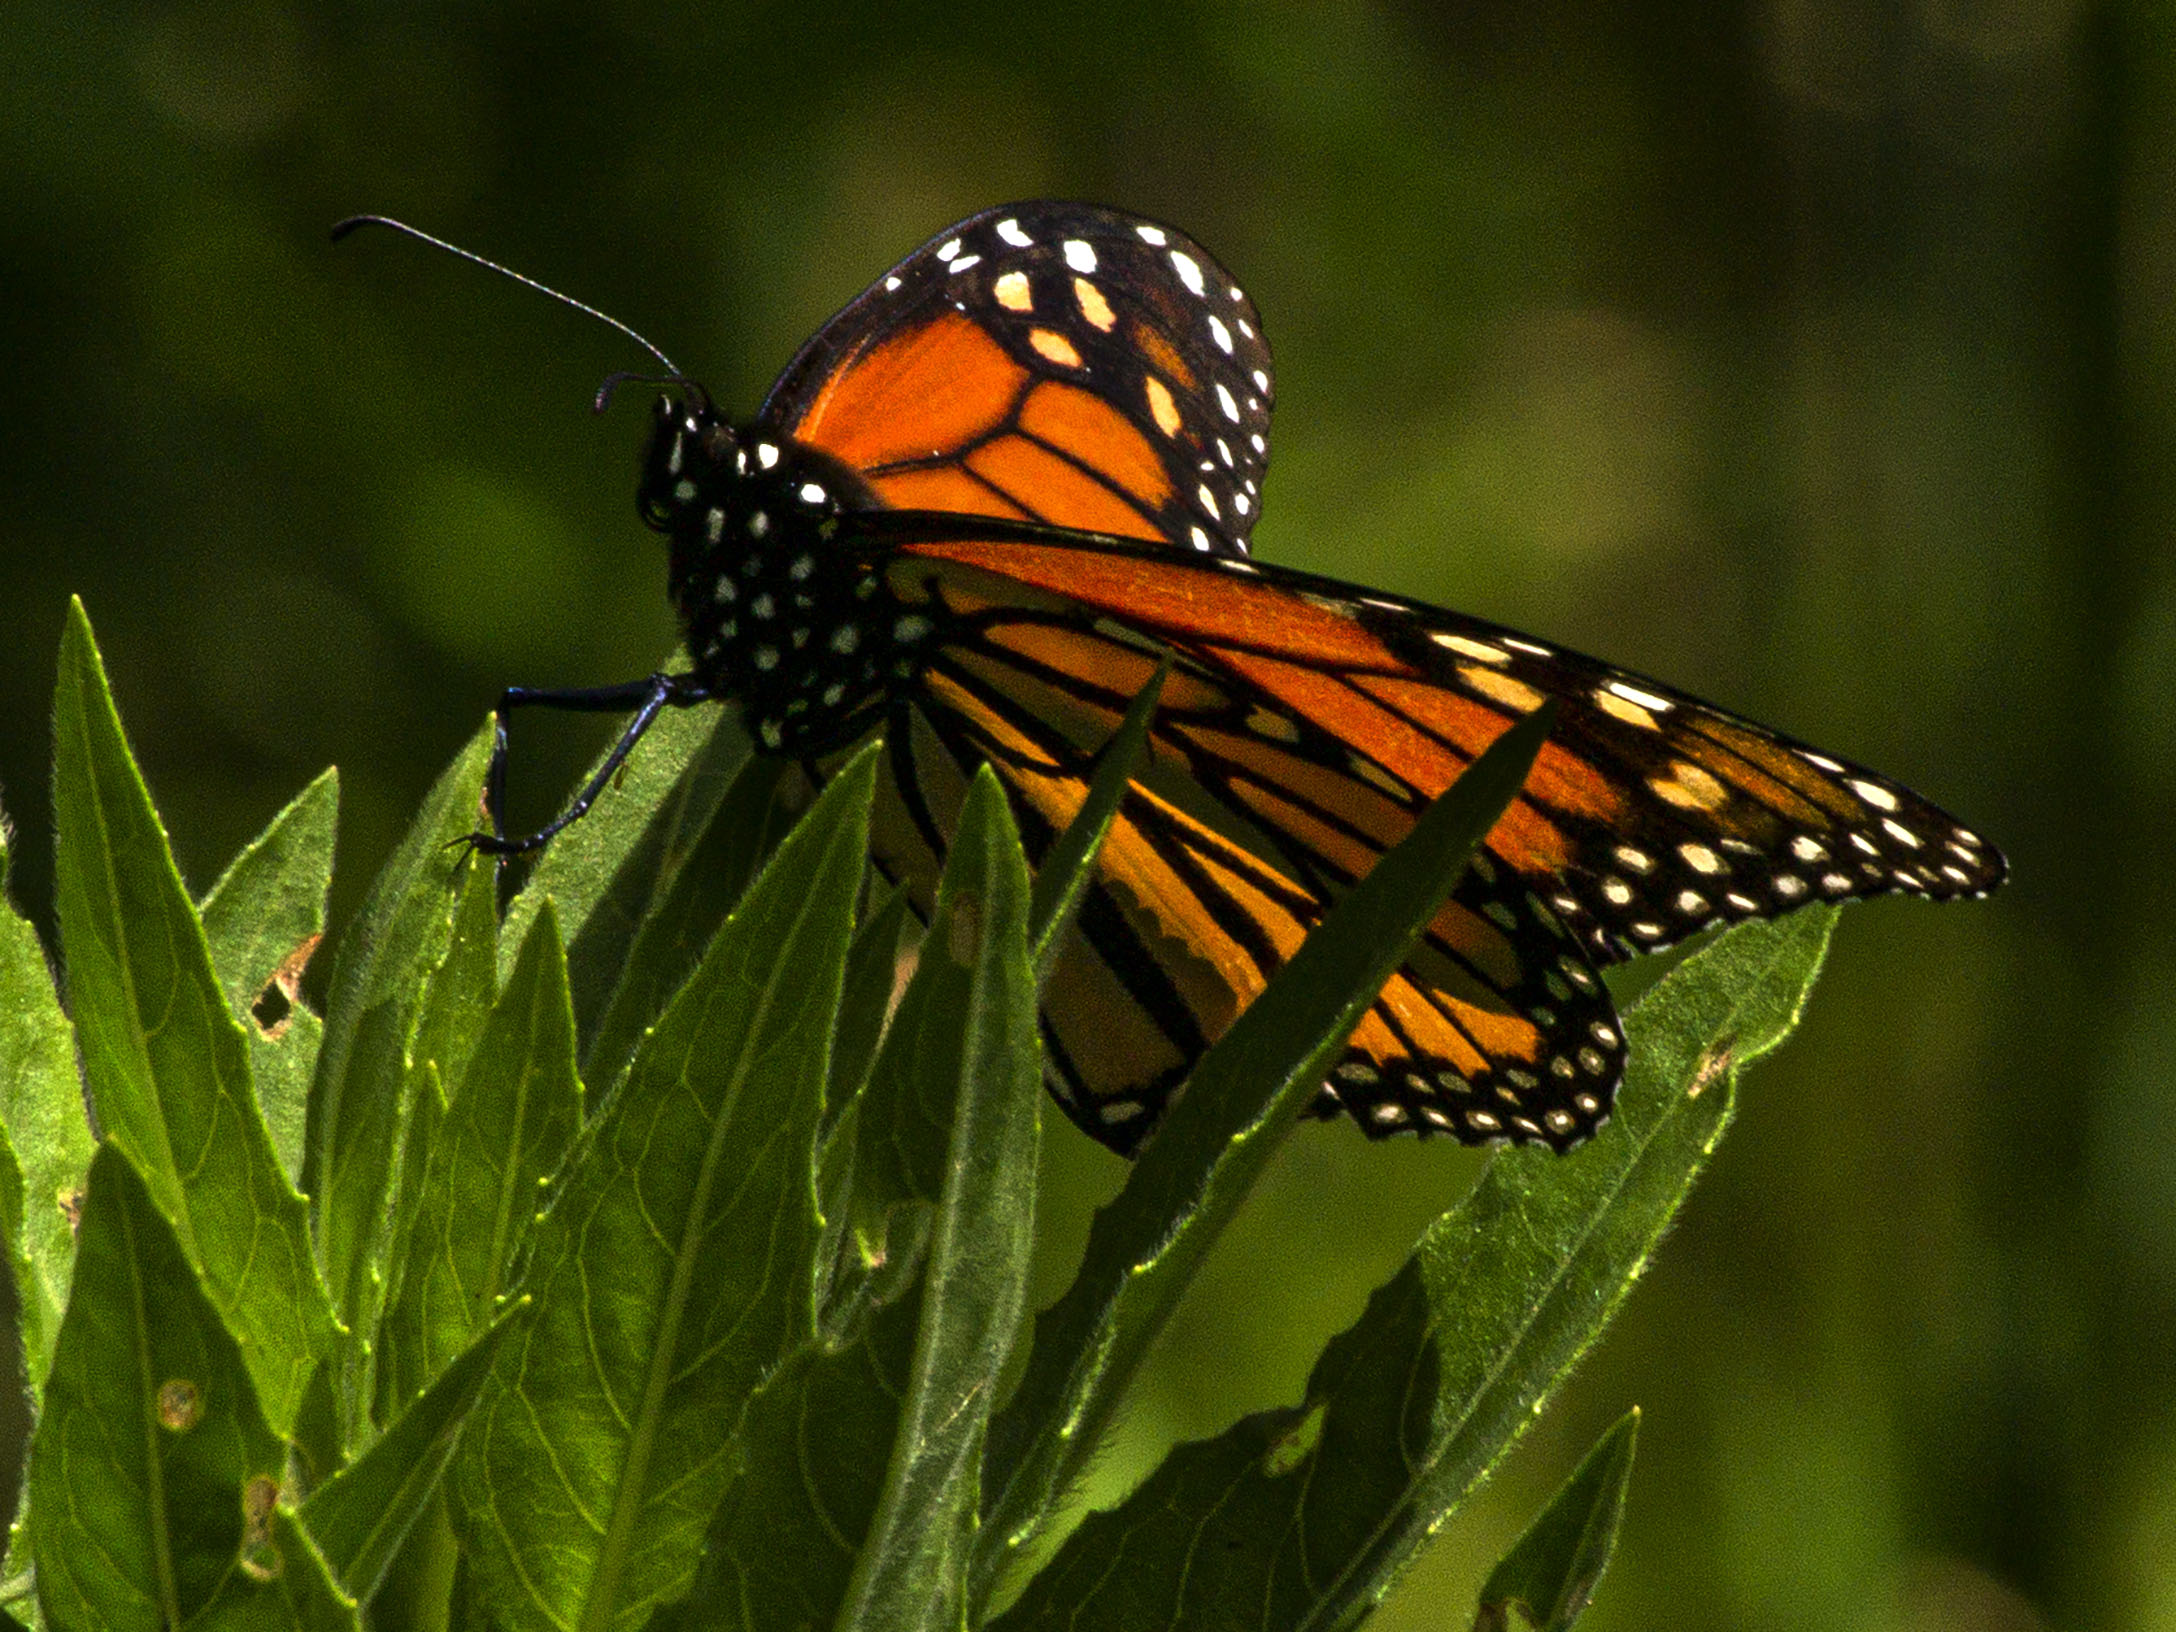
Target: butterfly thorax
x: 777, y: 610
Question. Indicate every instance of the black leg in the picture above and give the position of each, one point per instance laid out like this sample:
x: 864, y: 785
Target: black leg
x: 645, y: 698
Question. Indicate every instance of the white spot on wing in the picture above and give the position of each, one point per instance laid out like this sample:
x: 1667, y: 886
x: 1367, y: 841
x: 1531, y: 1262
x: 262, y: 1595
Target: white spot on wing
x: 1080, y: 255
x: 1189, y: 271
x: 1645, y: 699
x: 1009, y: 230
x: 1476, y: 649
x: 1151, y: 235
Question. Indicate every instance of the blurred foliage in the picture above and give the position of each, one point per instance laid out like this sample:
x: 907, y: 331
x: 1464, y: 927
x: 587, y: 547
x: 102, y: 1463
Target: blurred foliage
x: 1813, y: 354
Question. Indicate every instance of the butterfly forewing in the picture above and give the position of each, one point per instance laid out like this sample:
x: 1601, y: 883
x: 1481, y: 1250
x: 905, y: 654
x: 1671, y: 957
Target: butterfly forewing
x: 1050, y: 362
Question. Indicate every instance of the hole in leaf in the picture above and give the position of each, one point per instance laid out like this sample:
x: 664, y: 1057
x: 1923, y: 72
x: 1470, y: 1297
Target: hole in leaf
x: 275, y: 1004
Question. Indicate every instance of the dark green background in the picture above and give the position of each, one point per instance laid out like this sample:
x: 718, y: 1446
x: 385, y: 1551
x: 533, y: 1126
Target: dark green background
x: 1812, y: 356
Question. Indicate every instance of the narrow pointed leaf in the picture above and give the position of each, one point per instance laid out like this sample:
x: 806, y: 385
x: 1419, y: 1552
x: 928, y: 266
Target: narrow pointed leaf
x: 1549, y: 1577
x: 47, y: 1130
x: 980, y: 1078
x: 1309, y: 1514
x: 153, y: 1451
x: 361, y: 1515
x: 458, y: 1001
x: 1063, y: 877
x: 740, y: 834
x: 671, y: 1273
x: 1144, y: 1248
x: 359, y: 1102
x: 510, y: 1124
x: 166, y: 1062
x: 263, y: 920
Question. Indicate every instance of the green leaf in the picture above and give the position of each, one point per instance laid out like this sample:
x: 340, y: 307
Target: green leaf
x: 153, y: 1459
x: 972, y: 1065
x: 509, y: 1126
x: 1308, y: 1515
x: 672, y: 1271
x: 361, y: 1515
x: 47, y: 1132
x: 1550, y: 1576
x: 263, y: 920
x: 457, y: 1006
x: 167, y: 1064
x: 733, y: 843
x: 1216, y: 1136
x: 1065, y: 873
x: 359, y: 1103
x: 813, y: 1453
x: 856, y: 1458
x: 605, y: 871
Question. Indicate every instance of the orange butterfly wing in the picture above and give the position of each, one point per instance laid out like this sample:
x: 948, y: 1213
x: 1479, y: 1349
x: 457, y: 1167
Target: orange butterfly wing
x: 1047, y: 367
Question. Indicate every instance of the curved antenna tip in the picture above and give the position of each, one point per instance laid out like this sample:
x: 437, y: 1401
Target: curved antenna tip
x: 341, y: 229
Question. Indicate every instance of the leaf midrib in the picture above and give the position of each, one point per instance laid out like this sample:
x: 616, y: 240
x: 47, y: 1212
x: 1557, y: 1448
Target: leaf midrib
x: 600, y: 1604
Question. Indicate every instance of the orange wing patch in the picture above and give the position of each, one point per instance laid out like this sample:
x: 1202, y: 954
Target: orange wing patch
x: 1046, y: 486
x: 1102, y: 438
x: 962, y: 383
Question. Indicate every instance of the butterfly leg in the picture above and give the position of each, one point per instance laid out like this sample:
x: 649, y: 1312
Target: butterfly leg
x: 645, y: 699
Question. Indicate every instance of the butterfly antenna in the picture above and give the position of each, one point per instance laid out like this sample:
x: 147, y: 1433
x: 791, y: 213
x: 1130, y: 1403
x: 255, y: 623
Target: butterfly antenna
x: 342, y: 229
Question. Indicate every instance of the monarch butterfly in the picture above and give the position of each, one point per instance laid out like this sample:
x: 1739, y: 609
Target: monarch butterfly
x: 979, y: 507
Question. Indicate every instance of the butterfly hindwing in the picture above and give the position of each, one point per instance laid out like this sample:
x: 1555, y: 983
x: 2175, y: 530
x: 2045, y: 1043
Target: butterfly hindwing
x: 1496, y: 1027
x: 1309, y: 726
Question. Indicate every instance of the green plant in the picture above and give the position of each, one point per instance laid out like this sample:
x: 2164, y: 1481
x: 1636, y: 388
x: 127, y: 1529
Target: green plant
x: 638, y: 1260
